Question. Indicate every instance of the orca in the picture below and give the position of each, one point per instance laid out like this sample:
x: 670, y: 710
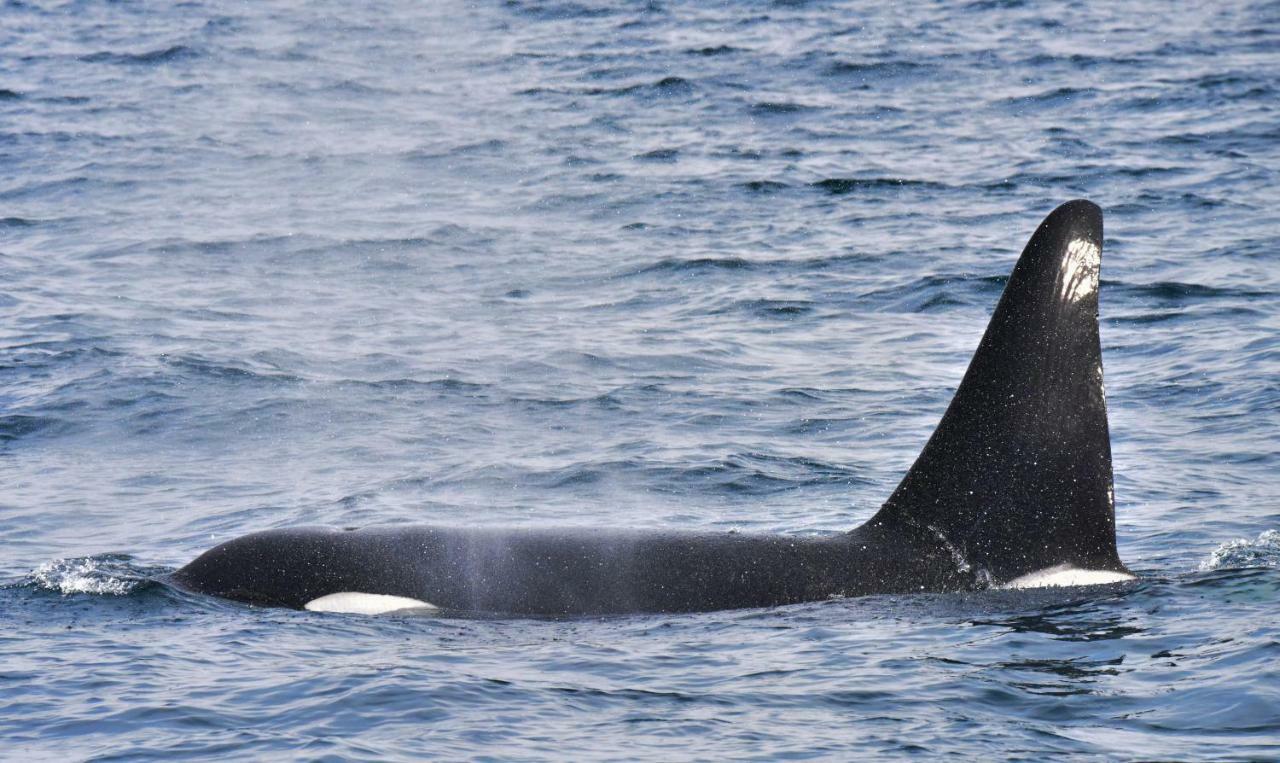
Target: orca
x: 1014, y: 488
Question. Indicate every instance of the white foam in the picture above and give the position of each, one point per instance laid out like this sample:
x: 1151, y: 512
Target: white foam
x: 356, y: 603
x: 85, y: 575
x: 1064, y: 575
x: 1263, y: 552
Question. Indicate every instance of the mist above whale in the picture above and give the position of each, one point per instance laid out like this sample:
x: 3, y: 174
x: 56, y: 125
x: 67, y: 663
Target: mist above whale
x: 1013, y: 488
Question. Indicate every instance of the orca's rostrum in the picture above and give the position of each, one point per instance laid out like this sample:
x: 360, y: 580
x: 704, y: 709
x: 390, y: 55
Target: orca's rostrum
x: 1014, y: 488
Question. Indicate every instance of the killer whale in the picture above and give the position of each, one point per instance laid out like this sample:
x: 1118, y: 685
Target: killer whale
x: 1013, y: 488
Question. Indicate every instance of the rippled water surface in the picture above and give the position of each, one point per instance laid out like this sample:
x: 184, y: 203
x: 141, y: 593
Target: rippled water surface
x: 664, y: 264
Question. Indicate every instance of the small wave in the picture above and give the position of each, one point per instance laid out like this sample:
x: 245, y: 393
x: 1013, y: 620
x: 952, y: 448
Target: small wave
x: 659, y: 155
x: 17, y: 425
x: 1264, y: 551
x: 696, y: 265
x: 1051, y: 97
x: 667, y: 86
x: 779, y: 108
x: 783, y: 309
x: 679, y: 84
x: 106, y: 575
x: 43, y: 187
x: 749, y: 474
x: 164, y: 56
x: 558, y: 11
x: 874, y: 70
x: 764, y: 186
x: 1080, y: 60
x: 448, y: 385
x: 348, y: 87
x: 1175, y: 291
x: 9, y: 95
x: 932, y: 292
x: 718, y: 50
x: 205, y: 367
x: 840, y: 186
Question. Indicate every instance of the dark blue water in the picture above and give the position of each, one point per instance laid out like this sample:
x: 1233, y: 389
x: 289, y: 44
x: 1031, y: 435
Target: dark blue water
x: 654, y: 264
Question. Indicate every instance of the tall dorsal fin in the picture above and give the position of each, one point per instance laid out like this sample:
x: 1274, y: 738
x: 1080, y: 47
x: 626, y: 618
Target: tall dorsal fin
x: 1017, y: 476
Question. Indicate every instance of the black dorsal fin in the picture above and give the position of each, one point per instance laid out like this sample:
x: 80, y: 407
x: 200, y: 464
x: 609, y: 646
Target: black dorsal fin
x: 1017, y: 476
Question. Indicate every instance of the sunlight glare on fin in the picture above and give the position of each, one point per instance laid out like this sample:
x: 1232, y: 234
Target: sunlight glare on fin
x: 1080, y: 275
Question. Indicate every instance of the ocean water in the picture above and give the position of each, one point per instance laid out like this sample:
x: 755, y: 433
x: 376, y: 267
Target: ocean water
x: 655, y: 264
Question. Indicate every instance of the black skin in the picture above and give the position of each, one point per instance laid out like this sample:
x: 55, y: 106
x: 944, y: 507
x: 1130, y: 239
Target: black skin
x: 570, y: 571
x: 1016, y: 479
x: 1017, y: 476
